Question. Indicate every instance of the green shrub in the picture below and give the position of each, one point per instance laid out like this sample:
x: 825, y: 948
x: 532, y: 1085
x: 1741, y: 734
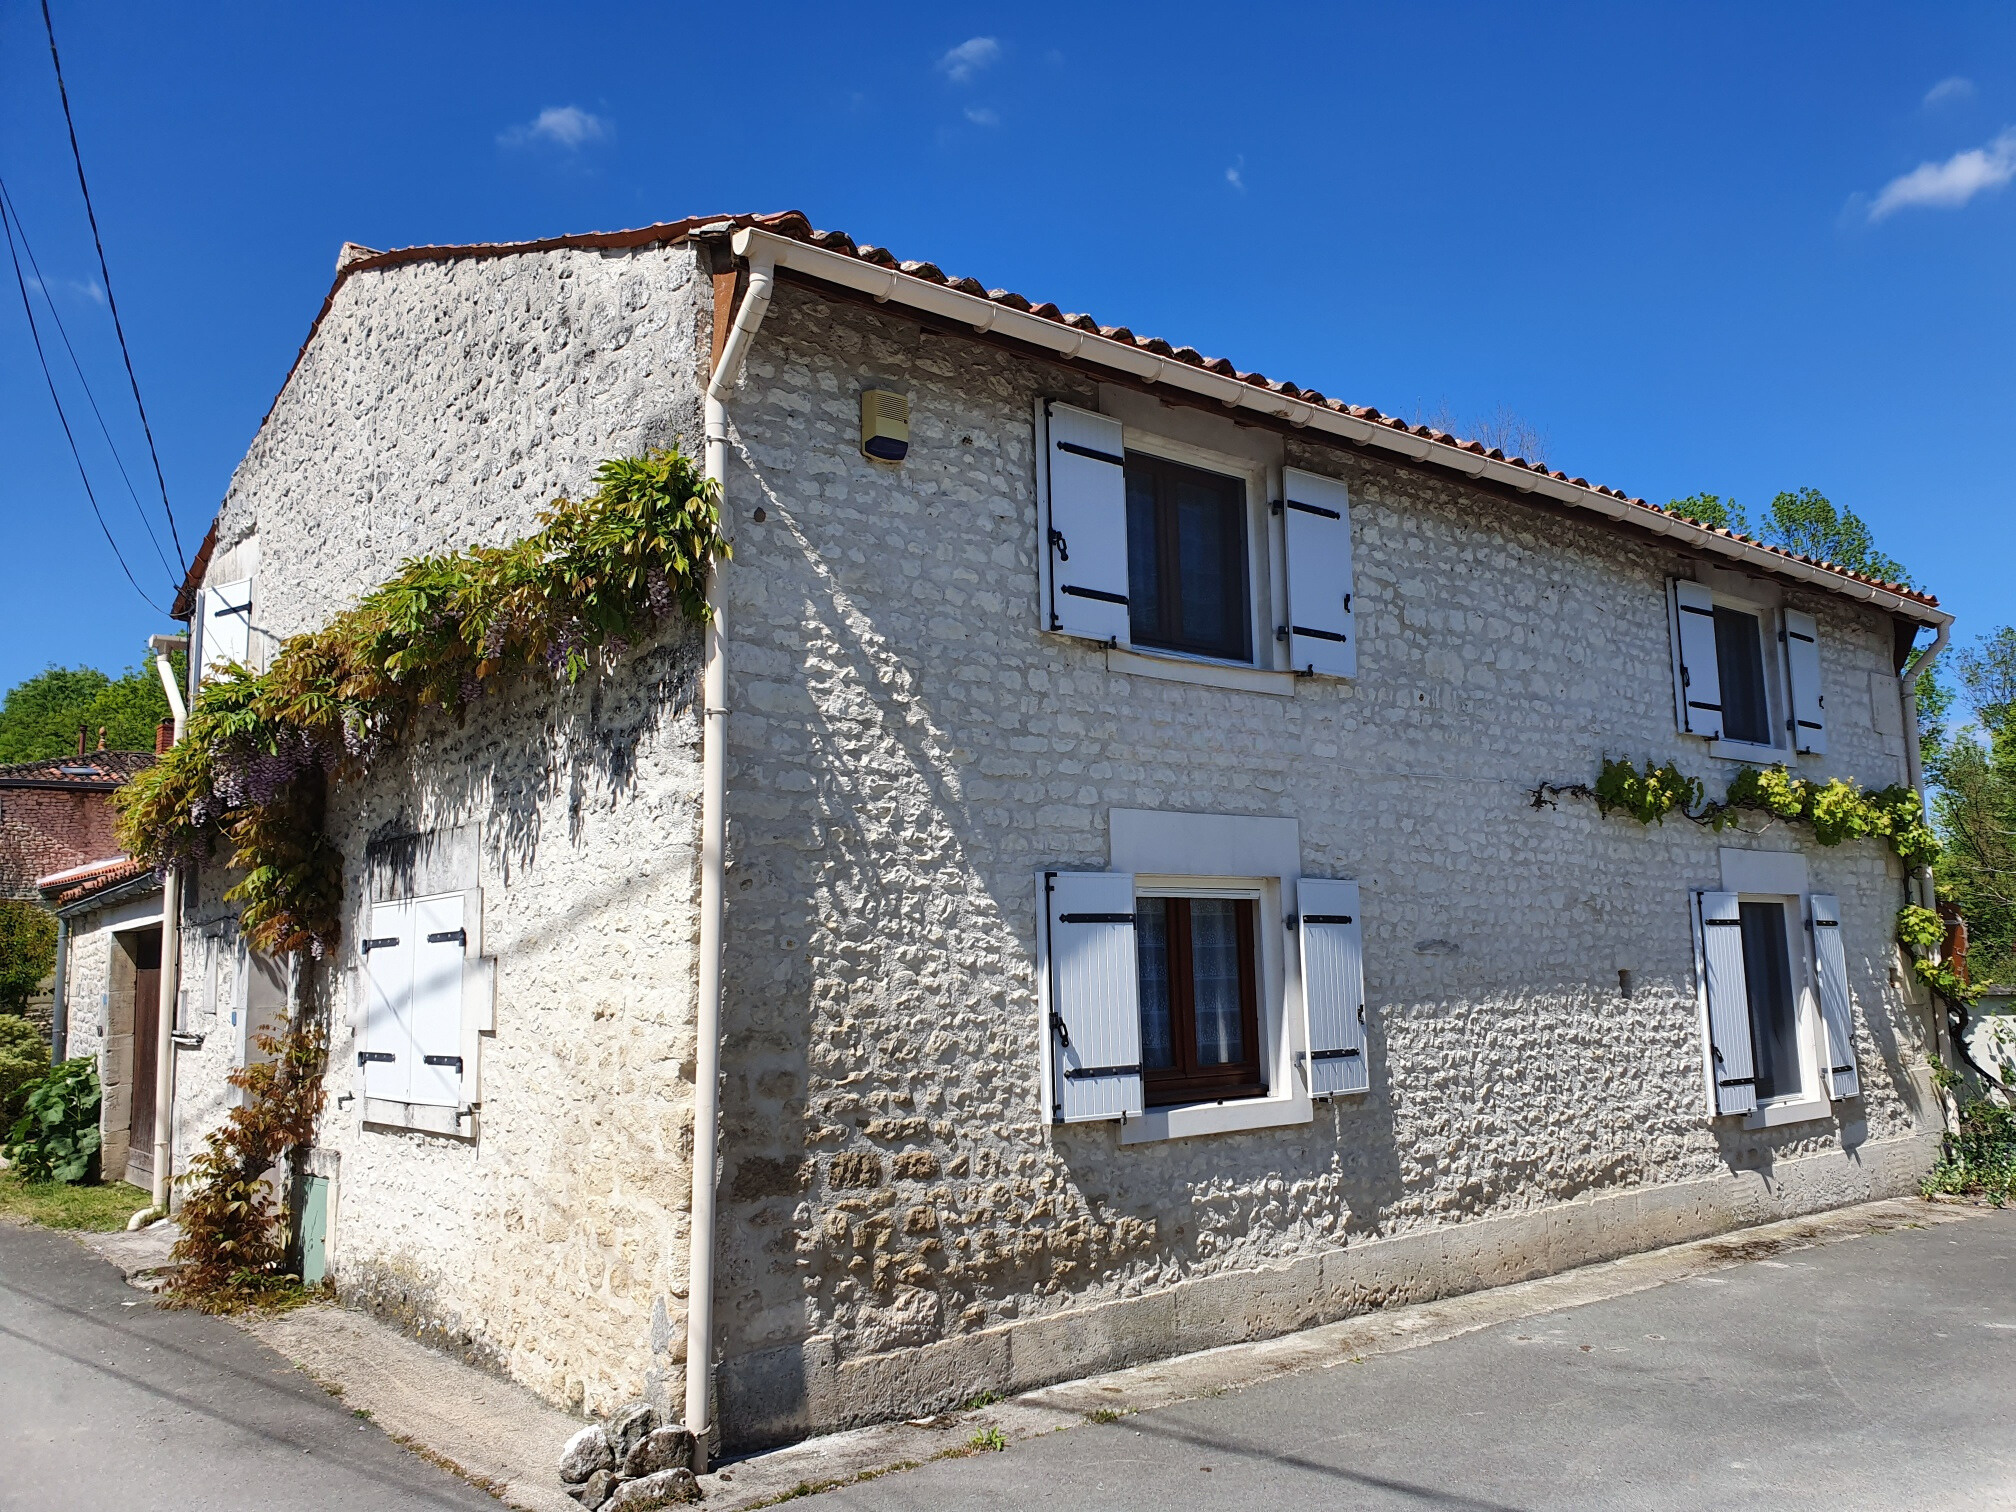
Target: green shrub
x: 24, y: 1057
x: 56, y: 1136
x: 27, y: 951
x: 1980, y: 1155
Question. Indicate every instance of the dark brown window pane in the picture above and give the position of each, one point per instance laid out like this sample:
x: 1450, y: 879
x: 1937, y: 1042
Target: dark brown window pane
x: 1186, y: 559
x: 1739, y: 659
x: 1199, y: 976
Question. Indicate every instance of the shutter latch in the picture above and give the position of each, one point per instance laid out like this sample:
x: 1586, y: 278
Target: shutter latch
x: 1059, y: 545
x: 1057, y: 1023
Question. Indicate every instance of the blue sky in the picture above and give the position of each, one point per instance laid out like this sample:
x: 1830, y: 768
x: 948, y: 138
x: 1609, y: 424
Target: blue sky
x: 1726, y: 248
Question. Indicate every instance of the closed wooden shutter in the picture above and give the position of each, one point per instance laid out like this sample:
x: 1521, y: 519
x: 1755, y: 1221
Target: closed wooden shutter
x: 1333, y: 985
x: 385, y: 1045
x: 1087, y: 530
x: 439, y: 944
x: 1700, y: 690
x: 1732, y: 1072
x: 227, y: 625
x: 1802, y: 665
x: 1095, y: 999
x: 1836, y: 1007
x: 1316, y: 516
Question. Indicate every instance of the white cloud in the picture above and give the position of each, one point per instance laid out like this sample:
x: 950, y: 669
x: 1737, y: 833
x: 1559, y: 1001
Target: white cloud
x: 980, y: 115
x: 1236, y: 174
x: 1947, y: 91
x: 567, y: 126
x: 1951, y: 184
x: 968, y: 58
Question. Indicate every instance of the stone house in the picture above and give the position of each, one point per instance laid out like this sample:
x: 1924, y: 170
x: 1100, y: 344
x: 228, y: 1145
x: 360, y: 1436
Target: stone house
x: 1133, y: 928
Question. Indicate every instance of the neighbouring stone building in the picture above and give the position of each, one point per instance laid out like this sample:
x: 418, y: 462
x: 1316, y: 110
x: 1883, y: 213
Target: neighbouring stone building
x: 1140, y: 932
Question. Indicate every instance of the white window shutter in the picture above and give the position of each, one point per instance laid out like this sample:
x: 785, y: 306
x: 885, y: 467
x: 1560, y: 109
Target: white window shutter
x: 1732, y: 1068
x: 1802, y: 663
x: 439, y: 944
x: 1699, y: 693
x: 1836, y: 1008
x: 1095, y: 997
x: 227, y: 624
x: 1316, y: 521
x: 1087, y: 532
x: 1333, y: 985
x: 385, y: 1047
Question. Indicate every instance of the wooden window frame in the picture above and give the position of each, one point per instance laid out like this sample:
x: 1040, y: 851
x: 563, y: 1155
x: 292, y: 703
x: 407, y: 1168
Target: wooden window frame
x: 1187, y: 1081
x: 1167, y: 634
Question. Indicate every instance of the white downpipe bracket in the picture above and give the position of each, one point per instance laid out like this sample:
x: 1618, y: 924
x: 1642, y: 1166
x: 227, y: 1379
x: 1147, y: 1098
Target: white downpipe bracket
x: 713, y: 836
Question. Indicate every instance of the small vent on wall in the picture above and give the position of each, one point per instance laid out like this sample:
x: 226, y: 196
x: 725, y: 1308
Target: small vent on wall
x: 885, y: 425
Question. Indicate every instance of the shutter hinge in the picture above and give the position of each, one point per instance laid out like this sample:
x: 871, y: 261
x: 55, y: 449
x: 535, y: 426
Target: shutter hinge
x: 1274, y: 507
x: 375, y: 1055
x: 444, y: 1060
x: 450, y: 936
x: 385, y: 944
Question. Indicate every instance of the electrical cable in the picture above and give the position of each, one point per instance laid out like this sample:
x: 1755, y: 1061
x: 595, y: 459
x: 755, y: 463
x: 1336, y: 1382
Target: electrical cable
x: 7, y: 225
x: 112, y: 304
x: 35, y: 268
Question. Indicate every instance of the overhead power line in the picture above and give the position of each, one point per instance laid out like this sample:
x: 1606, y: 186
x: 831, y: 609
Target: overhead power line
x: 111, y: 303
x: 35, y: 268
x: 21, y: 282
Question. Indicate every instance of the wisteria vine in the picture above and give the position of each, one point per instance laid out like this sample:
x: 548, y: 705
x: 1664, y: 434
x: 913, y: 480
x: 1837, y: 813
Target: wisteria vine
x: 252, y: 773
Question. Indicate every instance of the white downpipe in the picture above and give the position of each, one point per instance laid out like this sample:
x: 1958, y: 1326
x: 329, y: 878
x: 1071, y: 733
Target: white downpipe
x: 1913, y: 768
x: 171, y: 957
x: 713, y: 836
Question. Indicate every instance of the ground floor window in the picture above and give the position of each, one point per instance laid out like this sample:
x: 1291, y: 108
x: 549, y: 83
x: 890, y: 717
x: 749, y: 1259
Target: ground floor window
x: 1200, y: 1020
x: 1774, y: 1003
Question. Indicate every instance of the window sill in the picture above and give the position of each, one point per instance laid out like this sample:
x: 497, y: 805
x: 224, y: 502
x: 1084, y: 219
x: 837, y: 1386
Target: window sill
x: 1756, y: 755
x: 425, y: 1118
x: 1192, y: 1119
x: 1174, y: 667
x: 1789, y: 1110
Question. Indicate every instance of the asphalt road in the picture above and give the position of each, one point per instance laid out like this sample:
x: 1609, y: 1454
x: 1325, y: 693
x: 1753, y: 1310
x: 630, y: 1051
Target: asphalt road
x: 107, y: 1401
x: 1877, y: 1372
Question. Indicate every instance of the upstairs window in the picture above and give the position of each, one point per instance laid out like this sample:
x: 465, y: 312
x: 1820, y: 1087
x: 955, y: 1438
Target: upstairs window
x: 1186, y: 559
x: 1739, y: 658
x: 1200, y: 1000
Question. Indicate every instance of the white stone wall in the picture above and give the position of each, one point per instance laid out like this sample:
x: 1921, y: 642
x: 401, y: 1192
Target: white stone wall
x: 908, y: 751
x: 901, y: 1225
x: 442, y: 405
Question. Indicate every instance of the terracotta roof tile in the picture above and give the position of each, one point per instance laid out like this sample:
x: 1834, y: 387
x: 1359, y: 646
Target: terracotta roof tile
x: 93, y: 771
x: 794, y: 225
x: 112, y: 874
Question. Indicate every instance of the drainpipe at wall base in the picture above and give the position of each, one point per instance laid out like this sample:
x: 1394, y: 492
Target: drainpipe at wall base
x: 713, y: 835
x: 171, y: 955
x: 59, y: 1005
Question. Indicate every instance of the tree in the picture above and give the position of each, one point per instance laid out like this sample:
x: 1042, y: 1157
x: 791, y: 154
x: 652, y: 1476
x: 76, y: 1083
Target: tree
x: 1976, y: 807
x: 27, y: 951
x: 40, y: 717
x: 1713, y: 509
x: 1806, y: 522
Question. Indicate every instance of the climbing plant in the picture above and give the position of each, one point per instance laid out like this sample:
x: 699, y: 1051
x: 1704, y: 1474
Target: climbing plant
x: 1838, y: 810
x: 251, y: 776
x: 259, y: 750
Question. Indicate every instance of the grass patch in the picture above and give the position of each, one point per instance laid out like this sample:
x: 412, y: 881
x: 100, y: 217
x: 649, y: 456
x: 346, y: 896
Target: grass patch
x: 1103, y: 1415
x: 989, y: 1438
x: 984, y: 1399
x: 100, y: 1207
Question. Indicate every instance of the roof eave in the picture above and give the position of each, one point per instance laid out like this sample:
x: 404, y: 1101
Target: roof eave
x: 890, y: 285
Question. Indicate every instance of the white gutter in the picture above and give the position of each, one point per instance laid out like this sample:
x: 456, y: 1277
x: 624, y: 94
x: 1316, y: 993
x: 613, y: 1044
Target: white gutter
x: 713, y: 836
x: 982, y: 314
x: 171, y: 955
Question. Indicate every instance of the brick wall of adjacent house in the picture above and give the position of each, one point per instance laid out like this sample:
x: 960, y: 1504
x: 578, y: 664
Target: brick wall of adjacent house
x: 908, y: 751
x: 441, y: 405
x: 902, y: 1227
